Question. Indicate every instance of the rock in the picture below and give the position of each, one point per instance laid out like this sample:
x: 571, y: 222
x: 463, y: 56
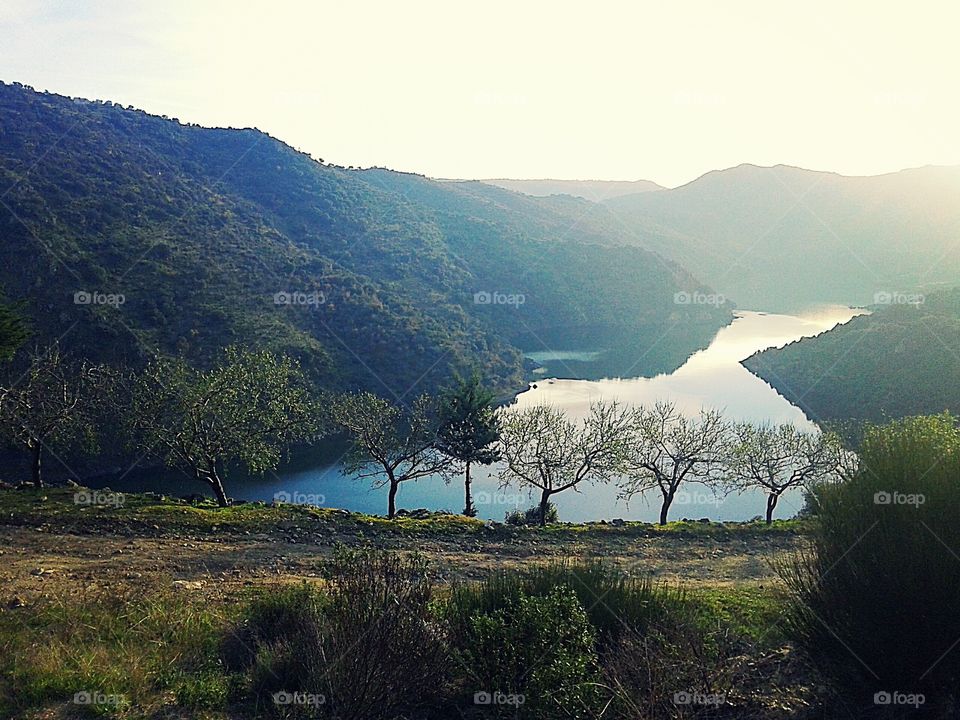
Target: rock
x: 188, y: 584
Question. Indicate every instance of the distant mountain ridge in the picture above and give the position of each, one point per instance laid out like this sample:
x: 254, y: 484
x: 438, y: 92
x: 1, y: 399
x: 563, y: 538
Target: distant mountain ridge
x: 781, y: 238
x: 596, y: 190
x: 375, y: 279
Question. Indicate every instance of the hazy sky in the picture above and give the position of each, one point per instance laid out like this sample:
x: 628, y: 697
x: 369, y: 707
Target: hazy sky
x: 614, y: 90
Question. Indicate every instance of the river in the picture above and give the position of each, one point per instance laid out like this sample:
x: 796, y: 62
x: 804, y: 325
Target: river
x: 710, y: 378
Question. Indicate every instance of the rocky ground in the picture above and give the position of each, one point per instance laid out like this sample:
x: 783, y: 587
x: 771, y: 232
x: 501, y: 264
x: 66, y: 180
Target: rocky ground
x: 49, y: 545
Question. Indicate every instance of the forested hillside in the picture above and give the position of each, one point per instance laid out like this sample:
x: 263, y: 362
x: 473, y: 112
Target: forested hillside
x: 595, y: 190
x: 902, y: 360
x: 784, y: 238
x: 183, y: 239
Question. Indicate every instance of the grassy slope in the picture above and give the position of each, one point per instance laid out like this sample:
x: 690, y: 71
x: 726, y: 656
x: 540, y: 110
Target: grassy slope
x: 159, y: 515
x: 153, y: 641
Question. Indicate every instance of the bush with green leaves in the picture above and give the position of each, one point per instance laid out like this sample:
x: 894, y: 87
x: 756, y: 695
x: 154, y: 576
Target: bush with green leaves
x: 651, y: 641
x: 536, y: 655
x: 875, y: 599
x: 614, y: 602
x: 531, y: 516
x: 272, y: 618
x: 386, y: 654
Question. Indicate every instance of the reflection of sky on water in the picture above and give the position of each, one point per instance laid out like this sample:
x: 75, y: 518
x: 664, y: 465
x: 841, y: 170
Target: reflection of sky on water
x: 711, y: 378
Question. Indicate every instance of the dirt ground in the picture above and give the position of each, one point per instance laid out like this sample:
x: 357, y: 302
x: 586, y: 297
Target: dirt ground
x: 47, y: 561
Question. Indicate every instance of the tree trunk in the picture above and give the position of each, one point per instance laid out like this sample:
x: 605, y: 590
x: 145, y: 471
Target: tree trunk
x: 544, y: 501
x: 392, y: 499
x: 772, y: 499
x: 468, y: 509
x: 213, y: 479
x: 35, y: 470
x: 665, y: 507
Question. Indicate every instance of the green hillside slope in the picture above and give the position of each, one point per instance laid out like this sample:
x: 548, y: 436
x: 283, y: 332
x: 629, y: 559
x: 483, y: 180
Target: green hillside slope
x: 378, y: 274
x: 901, y: 360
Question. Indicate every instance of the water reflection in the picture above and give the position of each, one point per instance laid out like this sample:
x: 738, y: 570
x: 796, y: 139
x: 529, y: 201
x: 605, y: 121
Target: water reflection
x: 710, y: 378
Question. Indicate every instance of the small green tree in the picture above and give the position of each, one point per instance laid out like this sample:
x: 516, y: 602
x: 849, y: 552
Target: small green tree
x: 247, y: 408
x: 545, y: 451
x: 469, y: 430
x: 390, y: 444
x: 47, y: 405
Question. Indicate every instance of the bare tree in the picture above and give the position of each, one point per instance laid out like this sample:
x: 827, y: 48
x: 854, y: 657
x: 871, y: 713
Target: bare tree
x: 47, y: 405
x: 776, y: 458
x: 391, y: 444
x: 544, y: 450
x: 666, y: 449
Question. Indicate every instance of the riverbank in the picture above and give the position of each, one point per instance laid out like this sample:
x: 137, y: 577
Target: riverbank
x: 46, y: 528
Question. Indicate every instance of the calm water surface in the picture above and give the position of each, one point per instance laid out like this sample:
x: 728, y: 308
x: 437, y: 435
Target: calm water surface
x: 710, y: 378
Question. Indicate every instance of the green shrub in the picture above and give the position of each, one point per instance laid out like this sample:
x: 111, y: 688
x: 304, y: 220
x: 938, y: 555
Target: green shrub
x: 531, y: 516
x: 273, y: 617
x: 613, y: 601
x: 534, y: 657
x: 874, y: 602
x: 368, y: 649
x: 387, y: 654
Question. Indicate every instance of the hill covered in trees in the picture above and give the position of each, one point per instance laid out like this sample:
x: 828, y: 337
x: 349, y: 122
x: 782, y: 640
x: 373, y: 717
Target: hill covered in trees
x: 124, y: 234
x: 595, y: 190
x: 904, y: 359
x: 784, y: 238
